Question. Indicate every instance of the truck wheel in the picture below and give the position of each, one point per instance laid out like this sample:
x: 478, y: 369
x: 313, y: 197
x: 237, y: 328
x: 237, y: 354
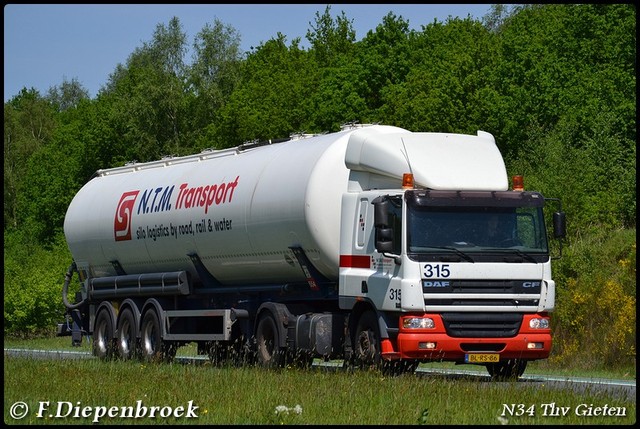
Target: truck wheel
x: 268, y: 342
x: 366, y: 343
x: 153, y: 347
x: 509, y: 369
x: 103, y: 336
x: 127, y: 335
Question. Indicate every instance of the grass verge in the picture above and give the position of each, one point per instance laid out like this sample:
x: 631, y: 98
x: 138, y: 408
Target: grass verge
x: 93, y: 391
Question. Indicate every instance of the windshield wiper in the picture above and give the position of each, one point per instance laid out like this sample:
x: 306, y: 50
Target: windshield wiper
x: 513, y: 250
x: 458, y: 252
x: 524, y: 255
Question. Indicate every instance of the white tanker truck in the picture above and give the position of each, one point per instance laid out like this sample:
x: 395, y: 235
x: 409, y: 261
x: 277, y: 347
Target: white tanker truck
x: 373, y: 245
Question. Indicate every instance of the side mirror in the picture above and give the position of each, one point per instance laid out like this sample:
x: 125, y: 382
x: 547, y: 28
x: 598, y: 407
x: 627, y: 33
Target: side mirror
x: 384, y: 240
x: 559, y: 225
x: 384, y: 232
x: 381, y: 212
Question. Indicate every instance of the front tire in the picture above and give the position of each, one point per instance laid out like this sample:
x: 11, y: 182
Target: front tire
x: 366, y: 344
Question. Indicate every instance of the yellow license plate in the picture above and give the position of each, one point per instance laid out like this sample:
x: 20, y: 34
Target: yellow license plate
x: 481, y: 357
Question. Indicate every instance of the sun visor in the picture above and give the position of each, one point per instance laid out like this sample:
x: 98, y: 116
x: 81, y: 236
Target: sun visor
x: 437, y: 160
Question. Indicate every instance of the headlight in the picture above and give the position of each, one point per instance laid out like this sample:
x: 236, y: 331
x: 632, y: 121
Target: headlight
x: 418, y: 323
x: 539, y: 323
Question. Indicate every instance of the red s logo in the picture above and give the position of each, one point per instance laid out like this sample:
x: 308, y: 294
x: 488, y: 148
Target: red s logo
x: 122, y: 222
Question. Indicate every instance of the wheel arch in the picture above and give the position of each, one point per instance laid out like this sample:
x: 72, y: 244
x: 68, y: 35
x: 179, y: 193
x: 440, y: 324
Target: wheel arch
x: 111, y: 311
x: 282, y: 316
x: 154, y: 304
x: 358, y: 310
x: 137, y: 314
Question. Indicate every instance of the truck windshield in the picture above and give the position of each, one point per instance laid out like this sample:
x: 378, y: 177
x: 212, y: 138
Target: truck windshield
x: 476, y: 230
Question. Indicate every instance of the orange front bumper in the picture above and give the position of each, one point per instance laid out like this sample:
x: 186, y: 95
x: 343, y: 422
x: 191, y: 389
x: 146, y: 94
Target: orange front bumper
x: 528, y: 344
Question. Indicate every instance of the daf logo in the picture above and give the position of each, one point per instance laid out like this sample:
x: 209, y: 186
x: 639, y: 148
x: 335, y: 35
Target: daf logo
x: 530, y: 284
x: 436, y: 284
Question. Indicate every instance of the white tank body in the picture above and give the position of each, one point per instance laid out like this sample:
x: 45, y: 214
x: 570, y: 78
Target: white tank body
x: 240, y: 211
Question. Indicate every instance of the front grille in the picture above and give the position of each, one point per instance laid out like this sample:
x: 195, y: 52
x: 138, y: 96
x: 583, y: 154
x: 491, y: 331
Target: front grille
x: 484, y: 302
x: 481, y: 286
x: 499, y: 293
x: 482, y: 325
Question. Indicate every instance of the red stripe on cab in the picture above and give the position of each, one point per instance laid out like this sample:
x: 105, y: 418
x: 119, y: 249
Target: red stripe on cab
x: 355, y: 261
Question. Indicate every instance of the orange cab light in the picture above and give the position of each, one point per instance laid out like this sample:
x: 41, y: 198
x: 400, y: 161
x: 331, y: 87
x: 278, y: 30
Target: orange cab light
x: 407, y: 181
x: 518, y: 183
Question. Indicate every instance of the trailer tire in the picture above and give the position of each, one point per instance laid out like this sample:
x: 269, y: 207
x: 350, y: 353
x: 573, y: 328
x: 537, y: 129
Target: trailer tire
x: 103, y: 336
x: 366, y: 343
x: 268, y: 349
x: 509, y: 369
x: 152, y: 346
x: 127, y: 335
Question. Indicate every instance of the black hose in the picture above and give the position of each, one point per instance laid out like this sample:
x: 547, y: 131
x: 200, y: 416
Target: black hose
x: 65, y: 288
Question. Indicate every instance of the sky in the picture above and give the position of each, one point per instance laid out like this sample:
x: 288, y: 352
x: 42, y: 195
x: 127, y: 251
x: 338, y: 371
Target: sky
x: 46, y: 44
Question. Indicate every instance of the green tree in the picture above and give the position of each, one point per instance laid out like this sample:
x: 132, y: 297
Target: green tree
x: 384, y: 58
x: 566, y: 75
x: 67, y: 95
x: 343, y: 86
x: 339, y: 97
x: 271, y: 101
x: 150, y: 92
x: 33, y: 278
x: 215, y: 69
x: 446, y: 88
x: 50, y: 182
x: 331, y: 38
x: 499, y: 13
x: 213, y: 76
x: 29, y: 121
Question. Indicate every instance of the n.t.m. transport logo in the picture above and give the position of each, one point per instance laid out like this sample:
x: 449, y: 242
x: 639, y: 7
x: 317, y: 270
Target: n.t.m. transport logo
x: 161, y: 199
x: 122, y: 223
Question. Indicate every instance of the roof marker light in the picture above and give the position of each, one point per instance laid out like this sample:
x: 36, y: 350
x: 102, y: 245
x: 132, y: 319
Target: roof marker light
x: 407, y: 181
x: 518, y: 183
